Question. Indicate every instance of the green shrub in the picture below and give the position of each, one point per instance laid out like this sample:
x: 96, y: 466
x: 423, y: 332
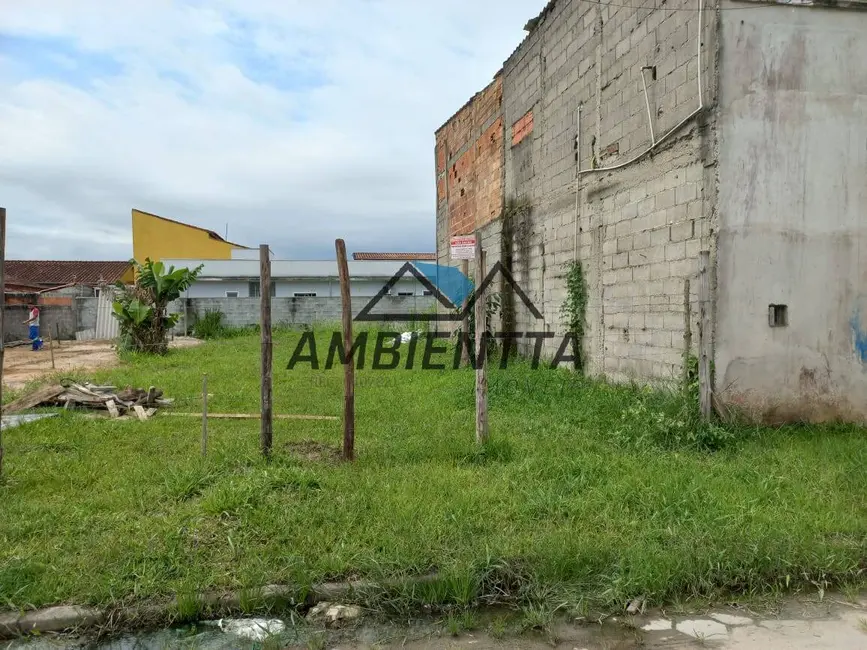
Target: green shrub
x: 209, y: 326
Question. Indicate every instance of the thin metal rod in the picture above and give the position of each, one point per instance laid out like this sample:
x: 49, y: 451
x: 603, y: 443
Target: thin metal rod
x: 577, y: 174
x: 654, y: 145
x: 647, y: 103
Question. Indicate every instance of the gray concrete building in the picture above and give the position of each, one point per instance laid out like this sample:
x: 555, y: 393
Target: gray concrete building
x: 636, y: 135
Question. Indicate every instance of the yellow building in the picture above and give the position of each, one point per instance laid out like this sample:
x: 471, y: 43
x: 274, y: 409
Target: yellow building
x: 156, y: 238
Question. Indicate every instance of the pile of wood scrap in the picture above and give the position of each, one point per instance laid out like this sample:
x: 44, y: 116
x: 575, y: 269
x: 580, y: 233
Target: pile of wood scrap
x: 143, y: 403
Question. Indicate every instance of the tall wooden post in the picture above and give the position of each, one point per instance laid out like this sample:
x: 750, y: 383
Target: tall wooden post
x: 2, y: 310
x: 704, y: 334
x: 349, y: 366
x: 266, y: 433
x: 481, y: 352
x: 465, y: 324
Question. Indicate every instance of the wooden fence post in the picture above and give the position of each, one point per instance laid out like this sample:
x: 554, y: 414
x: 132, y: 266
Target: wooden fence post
x: 266, y: 432
x: 704, y: 340
x: 349, y: 366
x: 464, y: 341
x: 2, y: 310
x: 51, y: 347
x: 481, y: 345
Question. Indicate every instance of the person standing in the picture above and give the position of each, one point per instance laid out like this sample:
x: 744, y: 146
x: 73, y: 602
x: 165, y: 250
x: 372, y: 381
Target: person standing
x: 33, y: 322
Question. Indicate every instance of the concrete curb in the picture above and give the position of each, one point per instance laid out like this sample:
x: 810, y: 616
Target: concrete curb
x: 63, y: 618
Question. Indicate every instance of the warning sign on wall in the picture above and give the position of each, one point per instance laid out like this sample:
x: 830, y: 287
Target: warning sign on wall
x: 463, y: 247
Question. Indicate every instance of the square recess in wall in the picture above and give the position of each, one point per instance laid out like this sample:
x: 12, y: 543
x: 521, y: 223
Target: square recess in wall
x: 778, y: 315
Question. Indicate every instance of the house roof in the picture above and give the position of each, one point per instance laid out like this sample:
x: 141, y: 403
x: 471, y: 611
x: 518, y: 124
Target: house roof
x: 59, y: 272
x: 210, y: 233
x: 394, y: 256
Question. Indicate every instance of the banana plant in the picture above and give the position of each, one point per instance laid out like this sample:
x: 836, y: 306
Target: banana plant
x: 141, y: 309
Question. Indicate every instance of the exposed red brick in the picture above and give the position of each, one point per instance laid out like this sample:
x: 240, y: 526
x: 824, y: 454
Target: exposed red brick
x: 522, y: 128
x: 473, y: 179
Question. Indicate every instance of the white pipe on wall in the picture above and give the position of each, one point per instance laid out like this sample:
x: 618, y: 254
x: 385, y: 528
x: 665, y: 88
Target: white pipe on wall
x: 653, y: 146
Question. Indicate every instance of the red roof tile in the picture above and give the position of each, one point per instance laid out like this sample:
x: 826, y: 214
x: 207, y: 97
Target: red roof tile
x: 394, y: 256
x: 55, y: 272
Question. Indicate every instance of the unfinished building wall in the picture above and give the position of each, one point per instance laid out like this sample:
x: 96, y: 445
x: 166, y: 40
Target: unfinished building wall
x: 637, y: 230
x: 469, y: 169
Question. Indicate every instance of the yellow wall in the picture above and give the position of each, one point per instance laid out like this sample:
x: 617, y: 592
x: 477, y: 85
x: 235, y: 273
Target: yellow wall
x: 129, y: 276
x: 157, y: 237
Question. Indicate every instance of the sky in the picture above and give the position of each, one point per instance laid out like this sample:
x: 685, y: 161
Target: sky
x: 291, y: 121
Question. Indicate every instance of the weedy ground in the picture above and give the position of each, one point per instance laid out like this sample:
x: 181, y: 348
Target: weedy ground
x: 586, y: 496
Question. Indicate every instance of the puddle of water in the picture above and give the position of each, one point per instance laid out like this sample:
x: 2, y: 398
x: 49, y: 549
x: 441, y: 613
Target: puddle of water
x: 12, y: 421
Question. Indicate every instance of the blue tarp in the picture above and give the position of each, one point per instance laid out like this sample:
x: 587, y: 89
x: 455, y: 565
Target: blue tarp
x: 451, y: 283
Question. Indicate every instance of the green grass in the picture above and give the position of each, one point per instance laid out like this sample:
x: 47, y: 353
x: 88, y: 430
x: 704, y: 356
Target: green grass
x: 587, y: 493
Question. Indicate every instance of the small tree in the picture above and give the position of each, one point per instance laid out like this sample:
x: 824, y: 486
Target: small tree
x: 141, y: 308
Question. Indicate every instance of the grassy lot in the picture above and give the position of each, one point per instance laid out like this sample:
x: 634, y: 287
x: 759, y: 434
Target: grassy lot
x: 588, y: 494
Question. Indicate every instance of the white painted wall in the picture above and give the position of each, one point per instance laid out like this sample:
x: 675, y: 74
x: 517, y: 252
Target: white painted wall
x: 218, y: 289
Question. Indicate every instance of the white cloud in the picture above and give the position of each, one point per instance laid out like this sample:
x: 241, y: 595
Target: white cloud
x: 295, y: 122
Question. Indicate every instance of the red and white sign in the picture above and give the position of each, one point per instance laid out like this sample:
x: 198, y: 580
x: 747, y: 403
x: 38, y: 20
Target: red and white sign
x: 463, y: 247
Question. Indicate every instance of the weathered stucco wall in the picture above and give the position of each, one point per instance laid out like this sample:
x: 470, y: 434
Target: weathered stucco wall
x: 793, y: 212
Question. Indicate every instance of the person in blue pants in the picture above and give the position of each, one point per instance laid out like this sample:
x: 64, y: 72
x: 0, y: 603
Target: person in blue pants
x: 33, y: 322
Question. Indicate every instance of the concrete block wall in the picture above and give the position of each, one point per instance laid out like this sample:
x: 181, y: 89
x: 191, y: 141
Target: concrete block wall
x: 51, y: 317
x: 85, y: 313
x: 241, y: 312
x: 637, y: 230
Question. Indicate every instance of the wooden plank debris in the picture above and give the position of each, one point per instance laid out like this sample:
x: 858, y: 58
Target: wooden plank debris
x: 44, y: 394
x: 252, y: 416
x: 117, y: 403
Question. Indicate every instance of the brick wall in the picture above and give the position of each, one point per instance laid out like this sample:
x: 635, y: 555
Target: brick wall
x: 52, y: 319
x: 469, y: 154
x: 637, y: 230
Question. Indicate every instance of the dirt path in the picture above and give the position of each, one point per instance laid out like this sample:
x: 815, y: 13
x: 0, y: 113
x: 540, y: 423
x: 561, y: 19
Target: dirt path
x: 22, y: 365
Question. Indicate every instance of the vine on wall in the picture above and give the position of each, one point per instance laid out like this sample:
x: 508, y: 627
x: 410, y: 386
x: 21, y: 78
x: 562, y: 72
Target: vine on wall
x: 574, y: 308
x: 514, y: 229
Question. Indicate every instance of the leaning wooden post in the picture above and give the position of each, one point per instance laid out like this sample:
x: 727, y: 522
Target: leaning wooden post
x: 704, y: 335
x: 51, y: 347
x: 464, y: 341
x: 481, y: 351
x: 349, y: 366
x: 204, y: 415
x: 266, y: 433
x: 2, y: 309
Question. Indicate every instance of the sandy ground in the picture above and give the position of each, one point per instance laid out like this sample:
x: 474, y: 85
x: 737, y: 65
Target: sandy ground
x: 22, y: 365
